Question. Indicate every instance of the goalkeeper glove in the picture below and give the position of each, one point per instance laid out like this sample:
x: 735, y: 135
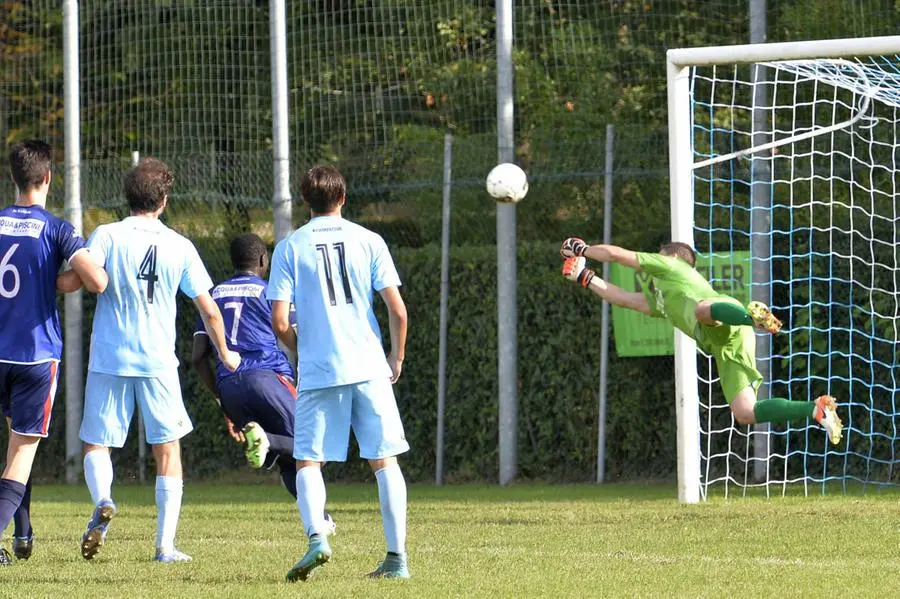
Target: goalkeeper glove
x: 572, y: 246
x: 574, y: 270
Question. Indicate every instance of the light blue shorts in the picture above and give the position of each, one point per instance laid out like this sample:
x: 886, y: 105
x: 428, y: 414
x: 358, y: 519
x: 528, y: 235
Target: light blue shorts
x: 323, y: 419
x: 109, y: 402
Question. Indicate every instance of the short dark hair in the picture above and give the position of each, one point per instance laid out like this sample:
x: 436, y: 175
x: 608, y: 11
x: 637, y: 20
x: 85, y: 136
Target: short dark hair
x: 147, y: 185
x: 679, y: 250
x: 29, y: 162
x: 246, y: 251
x: 323, y: 187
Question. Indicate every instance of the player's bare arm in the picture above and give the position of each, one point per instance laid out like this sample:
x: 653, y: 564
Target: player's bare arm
x: 397, y: 322
x: 200, y: 354
x: 212, y: 322
x: 84, y: 272
x: 573, y: 246
x: 68, y: 282
x: 574, y: 270
x: 281, y: 323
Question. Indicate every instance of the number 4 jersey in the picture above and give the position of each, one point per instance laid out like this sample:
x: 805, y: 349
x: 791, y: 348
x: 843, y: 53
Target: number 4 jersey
x: 329, y: 268
x: 134, y: 324
x: 247, y: 317
x: 33, y: 246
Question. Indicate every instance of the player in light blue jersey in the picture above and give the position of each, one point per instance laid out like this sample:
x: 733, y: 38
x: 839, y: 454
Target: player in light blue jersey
x: 330, y: 269
x: 33, y: 246
x: 133, y: 352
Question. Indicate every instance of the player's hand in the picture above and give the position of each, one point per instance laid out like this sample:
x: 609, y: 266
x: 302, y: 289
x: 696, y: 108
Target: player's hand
x: 574, y: 270
x: 234, y: 431
x: 396, y: 366
x: 572, y: 246
x: 231, y: 360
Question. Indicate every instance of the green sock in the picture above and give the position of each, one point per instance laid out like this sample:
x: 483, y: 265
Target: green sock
x: 780, y: 410
x: 728, y: 313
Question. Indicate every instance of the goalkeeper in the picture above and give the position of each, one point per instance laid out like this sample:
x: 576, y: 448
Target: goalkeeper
x: 721, y: 325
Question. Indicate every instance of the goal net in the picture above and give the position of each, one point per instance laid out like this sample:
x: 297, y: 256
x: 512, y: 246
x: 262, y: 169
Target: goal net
x: 797, y: 162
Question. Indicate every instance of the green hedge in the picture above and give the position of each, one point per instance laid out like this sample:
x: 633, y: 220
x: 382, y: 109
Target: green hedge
x: 559, y: 332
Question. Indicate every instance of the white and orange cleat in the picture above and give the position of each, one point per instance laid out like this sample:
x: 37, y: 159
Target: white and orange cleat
x: 763, y: 319
x: 826, y: 415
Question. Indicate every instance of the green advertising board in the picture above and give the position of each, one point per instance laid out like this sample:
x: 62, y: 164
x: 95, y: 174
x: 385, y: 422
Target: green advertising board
x: 639, y: 335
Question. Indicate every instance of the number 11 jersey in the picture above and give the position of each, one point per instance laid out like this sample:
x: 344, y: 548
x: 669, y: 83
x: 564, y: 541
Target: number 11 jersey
x: 134, y: 324
x: 329, y: 268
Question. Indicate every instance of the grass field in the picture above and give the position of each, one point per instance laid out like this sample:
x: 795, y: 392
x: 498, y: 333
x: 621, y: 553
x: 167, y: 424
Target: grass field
x: 470, y: 541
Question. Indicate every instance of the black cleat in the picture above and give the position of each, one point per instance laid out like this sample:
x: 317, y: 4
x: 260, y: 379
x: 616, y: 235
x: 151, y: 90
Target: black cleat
x: 23, y: 546
x: 5, y: 559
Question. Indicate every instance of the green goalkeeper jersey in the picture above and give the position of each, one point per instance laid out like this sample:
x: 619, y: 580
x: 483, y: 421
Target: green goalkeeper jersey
x: 674, y: 291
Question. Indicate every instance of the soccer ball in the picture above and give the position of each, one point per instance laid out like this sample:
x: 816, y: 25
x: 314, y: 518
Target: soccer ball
x: 507, y: 183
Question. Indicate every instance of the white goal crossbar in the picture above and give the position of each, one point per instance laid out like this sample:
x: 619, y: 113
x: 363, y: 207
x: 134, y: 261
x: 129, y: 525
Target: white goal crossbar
x: 794, y: 57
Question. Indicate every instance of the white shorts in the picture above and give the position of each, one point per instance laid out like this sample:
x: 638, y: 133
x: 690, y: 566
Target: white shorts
x: 109, y: 402
x: 323, y: 419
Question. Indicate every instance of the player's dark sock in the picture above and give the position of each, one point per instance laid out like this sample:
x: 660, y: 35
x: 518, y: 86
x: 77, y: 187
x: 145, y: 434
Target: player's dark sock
x: 22, y: 517
x: 281, y: 445
x: 728, y: 313
x: 779, y: 410
x: 289, y: 475
x: 11, y: 492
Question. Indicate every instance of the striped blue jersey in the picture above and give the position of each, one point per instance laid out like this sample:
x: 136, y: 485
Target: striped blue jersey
x: 330, y: 269
x: 247, y: 317
x: 33, y: 246
x: 134, y: 323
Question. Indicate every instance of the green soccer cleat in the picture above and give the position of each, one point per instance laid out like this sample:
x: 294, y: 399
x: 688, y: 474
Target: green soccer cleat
x: 763, y: 319
x: 319, y: 553
x: 257, y: 444
x: 392, y: 566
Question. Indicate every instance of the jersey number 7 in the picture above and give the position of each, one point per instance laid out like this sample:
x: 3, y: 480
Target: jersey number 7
x: 342, y: 266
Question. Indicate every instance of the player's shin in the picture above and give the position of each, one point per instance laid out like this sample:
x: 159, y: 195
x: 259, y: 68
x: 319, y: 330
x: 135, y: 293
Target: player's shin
x: 392, y: 496
x: 311, y: 500
x: 169, y: 491
x: 11, y: 493
x: 778, y: 410
x: 98, y: 474
x: 22, y: 517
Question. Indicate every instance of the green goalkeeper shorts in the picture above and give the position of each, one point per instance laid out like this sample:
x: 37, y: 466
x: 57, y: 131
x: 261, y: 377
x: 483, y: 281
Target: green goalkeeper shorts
x: 734, y: 348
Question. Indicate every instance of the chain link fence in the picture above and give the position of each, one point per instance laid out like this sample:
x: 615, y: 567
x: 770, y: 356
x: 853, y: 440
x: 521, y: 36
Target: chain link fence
x: 373, y: 87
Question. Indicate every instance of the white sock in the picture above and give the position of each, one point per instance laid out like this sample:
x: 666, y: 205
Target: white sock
x: 168, y: 506
x: 98, y: 474
x: 392, y: 495
x: 311, y: 499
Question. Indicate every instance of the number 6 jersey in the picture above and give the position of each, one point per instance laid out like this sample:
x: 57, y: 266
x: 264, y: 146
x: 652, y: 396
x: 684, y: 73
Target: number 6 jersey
x: 134, y: 324
x: 329, y: 268
x: 33, y: 246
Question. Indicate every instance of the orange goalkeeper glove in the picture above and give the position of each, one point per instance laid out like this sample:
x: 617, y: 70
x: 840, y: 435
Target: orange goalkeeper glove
x: 574, y: 270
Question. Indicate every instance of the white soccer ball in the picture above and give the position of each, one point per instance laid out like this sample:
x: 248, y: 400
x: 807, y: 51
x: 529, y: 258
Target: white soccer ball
x: 507, y: 183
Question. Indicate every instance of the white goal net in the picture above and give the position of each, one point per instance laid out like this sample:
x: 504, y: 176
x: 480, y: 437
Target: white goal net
x: 797, y: 163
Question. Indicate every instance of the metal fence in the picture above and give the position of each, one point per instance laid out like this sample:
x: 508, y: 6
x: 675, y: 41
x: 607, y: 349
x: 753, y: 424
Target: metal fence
x: 374, y: 87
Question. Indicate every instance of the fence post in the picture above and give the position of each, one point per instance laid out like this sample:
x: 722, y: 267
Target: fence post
x: 604, y: 313
x: 507, y: 317
x: 74, y: 350
x: 445, y: 298
x: 281, y: 168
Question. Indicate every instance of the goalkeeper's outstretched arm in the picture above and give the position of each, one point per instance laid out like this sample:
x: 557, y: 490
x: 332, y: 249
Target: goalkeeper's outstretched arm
x: 573, y: 246
x: 574, y: 270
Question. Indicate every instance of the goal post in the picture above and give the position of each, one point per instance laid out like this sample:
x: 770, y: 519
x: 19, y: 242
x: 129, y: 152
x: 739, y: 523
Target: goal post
x: 832, y: 125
